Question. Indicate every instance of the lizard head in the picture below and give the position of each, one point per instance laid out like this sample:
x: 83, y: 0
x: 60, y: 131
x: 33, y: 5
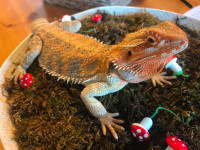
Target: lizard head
x: 145, y: 53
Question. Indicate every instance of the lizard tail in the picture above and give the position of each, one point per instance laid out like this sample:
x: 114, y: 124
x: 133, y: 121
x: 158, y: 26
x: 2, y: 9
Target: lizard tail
x: 38, y: 25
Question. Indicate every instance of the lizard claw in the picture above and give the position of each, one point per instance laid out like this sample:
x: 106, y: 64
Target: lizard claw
x: 160, y: 79
x: 18, y: 74
x: 108, y: 121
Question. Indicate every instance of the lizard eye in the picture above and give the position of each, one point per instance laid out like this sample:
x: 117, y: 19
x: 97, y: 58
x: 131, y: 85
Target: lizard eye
x: 151, y: 40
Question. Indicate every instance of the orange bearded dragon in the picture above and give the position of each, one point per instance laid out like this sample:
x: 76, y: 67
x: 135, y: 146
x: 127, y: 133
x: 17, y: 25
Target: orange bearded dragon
x: 103, y: 69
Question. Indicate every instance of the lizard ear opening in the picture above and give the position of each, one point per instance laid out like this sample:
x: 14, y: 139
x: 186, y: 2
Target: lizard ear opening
x: 129, y: 53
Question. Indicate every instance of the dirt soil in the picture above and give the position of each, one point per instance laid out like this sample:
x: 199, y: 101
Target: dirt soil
x: 50, y: 114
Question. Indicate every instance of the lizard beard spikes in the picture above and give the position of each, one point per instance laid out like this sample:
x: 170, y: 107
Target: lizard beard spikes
x: 145, y: 67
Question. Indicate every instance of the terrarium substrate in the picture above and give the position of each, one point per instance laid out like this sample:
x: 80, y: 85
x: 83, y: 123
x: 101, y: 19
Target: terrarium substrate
x: 51, y: 115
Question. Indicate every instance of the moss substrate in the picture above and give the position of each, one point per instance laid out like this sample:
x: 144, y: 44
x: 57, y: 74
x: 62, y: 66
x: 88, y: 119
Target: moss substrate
x: 50, y: 114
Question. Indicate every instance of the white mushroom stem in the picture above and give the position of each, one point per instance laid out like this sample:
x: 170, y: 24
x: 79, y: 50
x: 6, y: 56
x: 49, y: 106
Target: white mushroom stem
x: 169, y: 148
x: 147, y: 123
x: 174, y: 66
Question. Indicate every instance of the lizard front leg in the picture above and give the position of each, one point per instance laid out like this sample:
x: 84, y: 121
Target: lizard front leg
x: 35, y: 46
x: 97, y: 109
x: 160, y: 78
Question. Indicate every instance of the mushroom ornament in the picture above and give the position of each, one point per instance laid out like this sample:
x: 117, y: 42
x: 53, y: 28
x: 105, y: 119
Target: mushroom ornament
x: 175, y: 143
x: 97, y: 18
x: 26, y: 80
x: 174, y: 66
x: 66, y: 18
x: 140, y: 130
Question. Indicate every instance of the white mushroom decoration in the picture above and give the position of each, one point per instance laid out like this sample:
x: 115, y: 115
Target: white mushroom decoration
x: 66, y: 18
x: 174, y: 66
x: 175, y: 143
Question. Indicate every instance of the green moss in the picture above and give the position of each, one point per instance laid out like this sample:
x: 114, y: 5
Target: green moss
x: 51, y: 115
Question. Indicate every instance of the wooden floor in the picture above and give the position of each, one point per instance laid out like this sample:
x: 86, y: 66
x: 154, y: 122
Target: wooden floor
x: 17, y: 15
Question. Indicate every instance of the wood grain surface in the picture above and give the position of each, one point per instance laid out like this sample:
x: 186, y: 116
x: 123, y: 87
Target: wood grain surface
x: 17, y: 15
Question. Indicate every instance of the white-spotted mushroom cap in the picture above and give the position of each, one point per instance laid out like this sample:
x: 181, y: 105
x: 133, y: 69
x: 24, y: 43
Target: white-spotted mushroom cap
x: 175, y: 143
x: 139, y: 132
x: 26, y: 80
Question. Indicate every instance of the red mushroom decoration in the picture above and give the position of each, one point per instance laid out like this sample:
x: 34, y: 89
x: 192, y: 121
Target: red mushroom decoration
x: 97, y: 18
x: 175, y: 143
x: 26, y: 80
x: 66, y: 18
x: 140, y: 130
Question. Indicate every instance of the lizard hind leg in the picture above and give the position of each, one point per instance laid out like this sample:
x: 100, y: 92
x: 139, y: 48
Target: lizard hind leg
x: 35, y: 43
x: 35, y: 46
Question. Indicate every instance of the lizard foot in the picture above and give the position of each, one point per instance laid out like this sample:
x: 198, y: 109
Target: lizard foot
x: 108, y: 121
x: 18, y: 74
x: 160, y: 79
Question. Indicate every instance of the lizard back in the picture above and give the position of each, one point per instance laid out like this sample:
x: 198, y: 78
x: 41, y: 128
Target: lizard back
x: 69, y: 56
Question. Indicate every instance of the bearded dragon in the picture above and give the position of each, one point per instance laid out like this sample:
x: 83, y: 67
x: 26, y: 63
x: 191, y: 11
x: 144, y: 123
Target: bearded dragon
x: 103, y: 69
